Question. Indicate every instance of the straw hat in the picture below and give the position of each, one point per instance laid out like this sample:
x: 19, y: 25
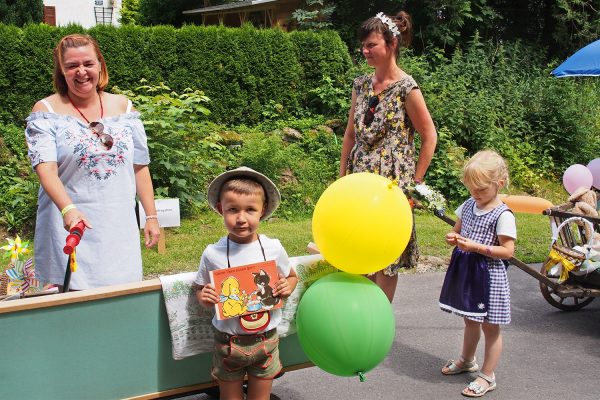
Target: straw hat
x: 273, y: 198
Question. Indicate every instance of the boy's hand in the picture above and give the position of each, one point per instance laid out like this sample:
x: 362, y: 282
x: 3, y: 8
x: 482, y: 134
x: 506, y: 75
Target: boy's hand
x: 207, y: 296
x: 283, y: 288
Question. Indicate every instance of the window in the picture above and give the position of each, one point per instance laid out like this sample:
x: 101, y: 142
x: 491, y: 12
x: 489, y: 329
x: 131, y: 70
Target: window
x: 103, y: 15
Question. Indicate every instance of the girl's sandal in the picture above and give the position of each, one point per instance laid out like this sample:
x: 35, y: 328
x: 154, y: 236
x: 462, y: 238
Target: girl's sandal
x: 453, y: 368
x: 476, y: 390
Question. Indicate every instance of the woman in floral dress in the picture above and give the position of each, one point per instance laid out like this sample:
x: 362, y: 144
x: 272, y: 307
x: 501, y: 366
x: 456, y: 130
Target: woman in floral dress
x: 387, y: 108
x: 89, y: 150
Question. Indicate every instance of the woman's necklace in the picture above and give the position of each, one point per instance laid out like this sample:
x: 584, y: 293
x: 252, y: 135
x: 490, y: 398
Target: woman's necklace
x: 97, y: 128
x: 79, y: 111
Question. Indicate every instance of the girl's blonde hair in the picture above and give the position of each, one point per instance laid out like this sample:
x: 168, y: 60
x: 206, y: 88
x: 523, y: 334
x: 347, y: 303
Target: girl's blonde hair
x: 483, y: 169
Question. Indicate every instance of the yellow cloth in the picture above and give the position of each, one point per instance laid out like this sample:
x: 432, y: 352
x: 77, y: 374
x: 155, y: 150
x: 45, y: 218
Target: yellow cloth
x: 556, y: 258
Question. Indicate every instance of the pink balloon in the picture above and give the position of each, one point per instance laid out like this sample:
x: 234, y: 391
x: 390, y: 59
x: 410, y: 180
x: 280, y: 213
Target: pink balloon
x: 576, y: 176
x: 594, y: 167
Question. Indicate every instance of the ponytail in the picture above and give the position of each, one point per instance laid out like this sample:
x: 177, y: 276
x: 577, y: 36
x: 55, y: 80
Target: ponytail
x: 404, y: 23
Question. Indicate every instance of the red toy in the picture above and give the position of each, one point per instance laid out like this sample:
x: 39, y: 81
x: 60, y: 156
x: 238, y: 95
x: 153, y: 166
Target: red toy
x: 74, y: 237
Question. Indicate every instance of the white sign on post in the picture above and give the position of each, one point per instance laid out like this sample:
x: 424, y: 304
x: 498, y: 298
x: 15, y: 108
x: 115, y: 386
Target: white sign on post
x: 167, y: 211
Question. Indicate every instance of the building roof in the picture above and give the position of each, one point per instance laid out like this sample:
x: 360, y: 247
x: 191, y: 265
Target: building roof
x: 229, y: 6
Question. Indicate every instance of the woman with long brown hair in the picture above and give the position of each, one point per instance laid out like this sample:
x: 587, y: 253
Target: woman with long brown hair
x: 387, y: 109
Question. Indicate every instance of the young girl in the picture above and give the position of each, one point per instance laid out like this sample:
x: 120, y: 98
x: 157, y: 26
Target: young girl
x: 476, y: 285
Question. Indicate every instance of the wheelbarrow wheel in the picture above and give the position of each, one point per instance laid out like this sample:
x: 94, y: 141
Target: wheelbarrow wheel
x: 563, y: 303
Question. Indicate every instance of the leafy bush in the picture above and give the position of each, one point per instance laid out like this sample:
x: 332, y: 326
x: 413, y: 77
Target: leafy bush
x: 18, y: 183
x: 301, y: 170
x: 183, y: 154
x: 501, y: 96
x: 21, y: 12
x: 328, y: 99
x: 445, y: 170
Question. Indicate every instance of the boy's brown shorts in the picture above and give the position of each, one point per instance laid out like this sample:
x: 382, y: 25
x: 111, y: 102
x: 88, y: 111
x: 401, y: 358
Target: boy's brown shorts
x: 237, y: 355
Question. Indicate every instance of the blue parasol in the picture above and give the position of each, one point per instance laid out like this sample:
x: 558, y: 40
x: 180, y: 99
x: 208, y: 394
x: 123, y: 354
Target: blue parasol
x: 585, y: 62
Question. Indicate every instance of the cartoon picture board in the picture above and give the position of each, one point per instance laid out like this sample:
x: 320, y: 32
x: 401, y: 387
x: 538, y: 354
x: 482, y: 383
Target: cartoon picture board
x: 245, y: 290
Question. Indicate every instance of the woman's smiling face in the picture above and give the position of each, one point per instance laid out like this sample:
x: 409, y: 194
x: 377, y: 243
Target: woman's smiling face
x: 81, y: 69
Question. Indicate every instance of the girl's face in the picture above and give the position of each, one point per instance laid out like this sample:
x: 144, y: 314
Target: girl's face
x: 376, y: 50
x: 485, y: 196
x: 241, y: 214
x: 81, y: 69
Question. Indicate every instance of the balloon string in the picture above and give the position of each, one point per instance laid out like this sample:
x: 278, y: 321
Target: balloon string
x: 362, y: 377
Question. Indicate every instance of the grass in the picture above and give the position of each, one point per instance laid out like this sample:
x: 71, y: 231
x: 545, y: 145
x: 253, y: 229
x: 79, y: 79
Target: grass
x: 186, y: 243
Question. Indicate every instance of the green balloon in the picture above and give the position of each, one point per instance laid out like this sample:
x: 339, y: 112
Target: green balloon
x: 345, y: 324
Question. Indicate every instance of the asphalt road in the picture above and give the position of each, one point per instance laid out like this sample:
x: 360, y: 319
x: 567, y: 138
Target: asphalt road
x: 548, y: 354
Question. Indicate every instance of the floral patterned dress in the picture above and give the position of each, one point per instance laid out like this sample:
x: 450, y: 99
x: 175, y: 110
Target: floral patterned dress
x: 101, y: 183
x: 386, y: 145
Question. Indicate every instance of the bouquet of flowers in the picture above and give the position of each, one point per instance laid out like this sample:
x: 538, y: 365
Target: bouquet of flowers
x: 432, y: 200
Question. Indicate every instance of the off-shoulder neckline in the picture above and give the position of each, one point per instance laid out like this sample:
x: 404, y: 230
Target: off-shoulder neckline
x: 51, y: 115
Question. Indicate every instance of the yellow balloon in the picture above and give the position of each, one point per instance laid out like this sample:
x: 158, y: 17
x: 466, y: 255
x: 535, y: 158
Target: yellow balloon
x: 362, y: 223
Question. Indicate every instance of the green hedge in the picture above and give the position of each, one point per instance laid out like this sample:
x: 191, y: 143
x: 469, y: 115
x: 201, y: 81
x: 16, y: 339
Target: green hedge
x: 240, y: 69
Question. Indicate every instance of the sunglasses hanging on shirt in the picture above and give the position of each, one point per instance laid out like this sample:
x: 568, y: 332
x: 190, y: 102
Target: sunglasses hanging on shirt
x: 96, y: 127
x: 370, y: 114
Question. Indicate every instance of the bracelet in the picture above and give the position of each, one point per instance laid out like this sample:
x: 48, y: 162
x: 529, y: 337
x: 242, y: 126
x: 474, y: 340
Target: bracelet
x: 151, y: 217
x: 67, y: 209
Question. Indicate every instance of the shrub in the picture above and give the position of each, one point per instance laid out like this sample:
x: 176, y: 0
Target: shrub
x: 301, y: 170
x: 18, y: 183
x: 241, y: 69
x: 501, y: 96
x: 183, y: 154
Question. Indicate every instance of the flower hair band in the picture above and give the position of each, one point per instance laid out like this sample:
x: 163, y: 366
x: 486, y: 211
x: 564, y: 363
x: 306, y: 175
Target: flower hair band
x: 389, y: 23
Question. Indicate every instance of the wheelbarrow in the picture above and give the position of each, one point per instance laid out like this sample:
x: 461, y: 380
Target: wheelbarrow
x: 574, y: 292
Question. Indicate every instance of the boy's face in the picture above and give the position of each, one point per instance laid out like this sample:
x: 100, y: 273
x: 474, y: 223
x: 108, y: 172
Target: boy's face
x: 241, y: 214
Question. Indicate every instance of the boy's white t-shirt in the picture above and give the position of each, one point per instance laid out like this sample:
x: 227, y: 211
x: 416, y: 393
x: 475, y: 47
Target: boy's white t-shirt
x: 214, y: 257
x: 506, y: 225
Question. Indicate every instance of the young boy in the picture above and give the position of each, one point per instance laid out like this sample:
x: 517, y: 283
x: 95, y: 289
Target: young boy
x: 244, y: 198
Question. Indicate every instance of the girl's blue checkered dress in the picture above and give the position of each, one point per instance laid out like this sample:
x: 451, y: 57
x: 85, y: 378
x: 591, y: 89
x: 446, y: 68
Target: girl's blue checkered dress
x: 476, y: 286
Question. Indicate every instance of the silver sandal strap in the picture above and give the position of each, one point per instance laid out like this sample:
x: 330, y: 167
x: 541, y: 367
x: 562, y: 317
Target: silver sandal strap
x: 488, y: 379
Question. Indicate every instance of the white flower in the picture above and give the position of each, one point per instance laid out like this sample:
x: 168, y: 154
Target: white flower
x: 481, y: 306
x: 434, y: 200
x: 390, y: 24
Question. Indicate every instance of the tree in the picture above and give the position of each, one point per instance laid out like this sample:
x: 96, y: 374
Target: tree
x: 436, y: 23
x: 21, y: 12
x: 316, y: 16
x: 130, y: 12
x: 447, y: 23
x: 559, y: 26
x: 577, y: 23
x: 165, y: 12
